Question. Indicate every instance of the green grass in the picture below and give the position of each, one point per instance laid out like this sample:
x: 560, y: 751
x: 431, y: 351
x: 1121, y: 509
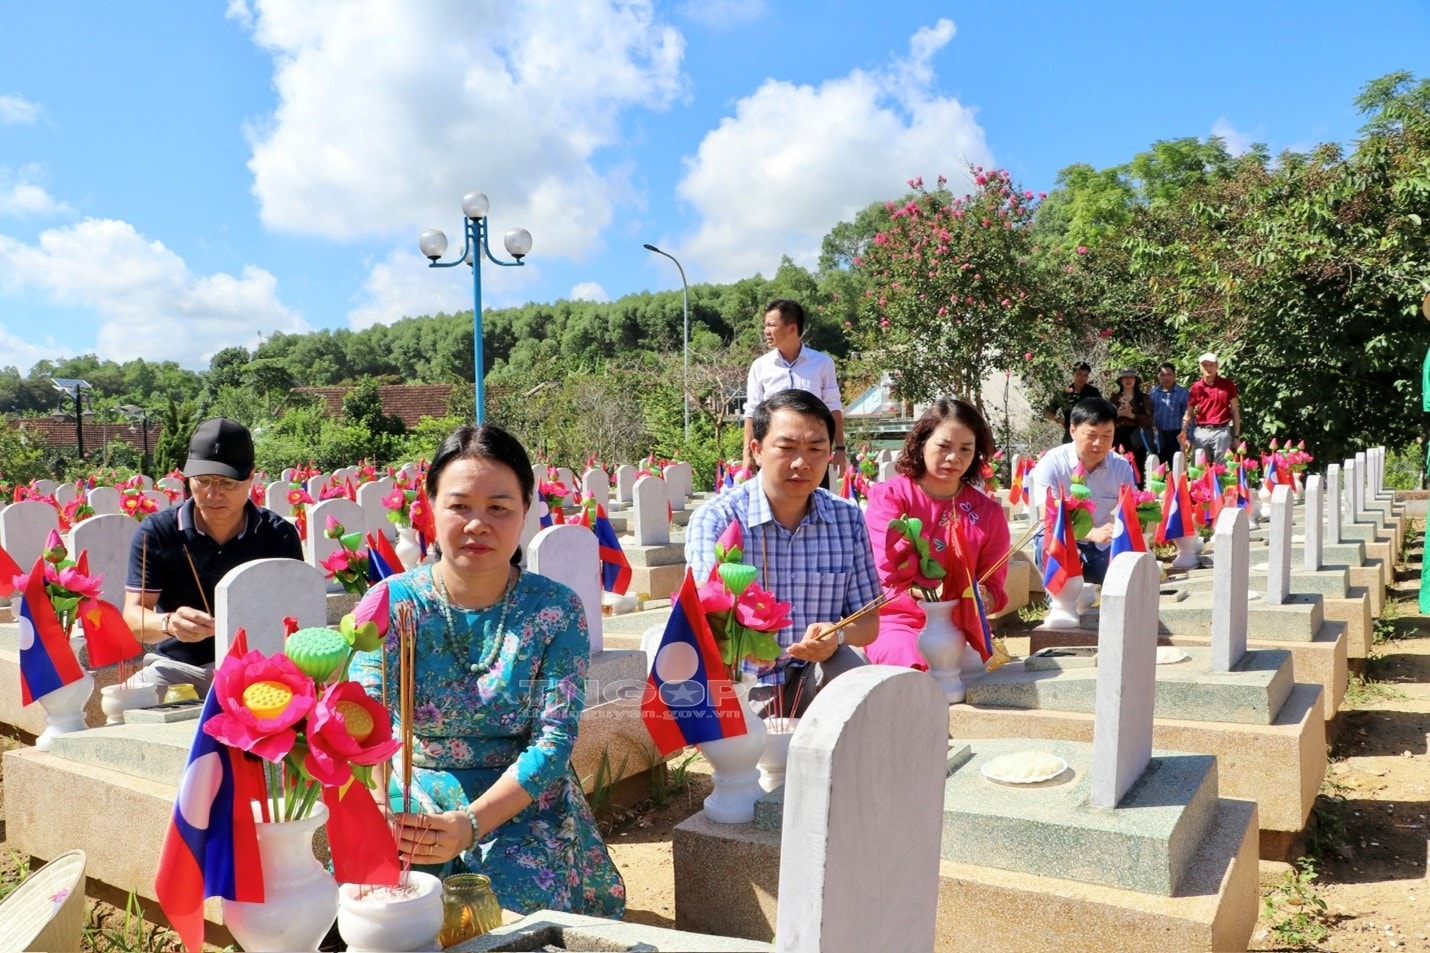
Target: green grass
x: 668, y: 779
x: 107, y: 930
x: 1294, y: 910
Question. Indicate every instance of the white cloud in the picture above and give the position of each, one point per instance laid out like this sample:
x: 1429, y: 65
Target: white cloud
x: 1236, y: 142
x: 17, y: 109
x: 151, y: 305
x: 589, y: 291
x: 795, y: 160
x: 388, y: 113
x: 725, y: 13
x: 21, y: 195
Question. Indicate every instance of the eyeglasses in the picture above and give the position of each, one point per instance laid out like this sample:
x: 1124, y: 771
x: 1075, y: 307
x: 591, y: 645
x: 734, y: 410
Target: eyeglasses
x: 215, y: 484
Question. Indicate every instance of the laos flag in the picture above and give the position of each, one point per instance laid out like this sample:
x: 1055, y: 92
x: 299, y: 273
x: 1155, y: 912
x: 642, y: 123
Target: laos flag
x: 1061, y: 560
x: 615, y: 567
x: 1176, y: 512
x: 688, y: 696
x: 1126, y: 527
x: 46, y: 660
x: 382, y: 559
x: 211, y: 847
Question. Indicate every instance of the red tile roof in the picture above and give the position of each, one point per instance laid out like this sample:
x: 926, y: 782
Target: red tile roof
x: 408, y: 402
x: 60, y: 433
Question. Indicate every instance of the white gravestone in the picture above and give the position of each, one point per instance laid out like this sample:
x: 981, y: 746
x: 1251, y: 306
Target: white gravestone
x: 106, y: 539
x: 287, y: 475
x: 568, y: 479
x: 678, y: 480
x: 1315, y: 506
x: 886, y: 471
x: 65, y: 492
x: 1126, y: 674
x: 1334, y: 510
x: 1150, y: 467
x: 847, y: 886
x: 104, y: 499
x: 159, y: 498
x: 258, y: 595
x: 625, y: 483
x: 531, y: 524
x: 369, y: 498
x: 315, y: 484
x: 1348, y: 491
x: 1179, y: 465
x: 1278, y: 553
x: 569, y: 555
x: 595, y: 485
x: 1362, y: 479
x: 538, y: 472
x: 24, y: 527
x: 146, y: 482
x: 276, y: 498
x: 651, y: 520
x: 171, y: 483
x: 319, y: 547
x: 46, y: 487
x: 1230, y: 570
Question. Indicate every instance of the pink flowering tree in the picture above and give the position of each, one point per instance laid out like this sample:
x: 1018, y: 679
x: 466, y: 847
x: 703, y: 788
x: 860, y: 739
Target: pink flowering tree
x: 959, y: 289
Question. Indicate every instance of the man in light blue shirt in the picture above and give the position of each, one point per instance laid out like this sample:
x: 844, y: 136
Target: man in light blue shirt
x: 1091, y: 425
x: 1169, y: 406
x: 791, y: 364
x: 812, y: 549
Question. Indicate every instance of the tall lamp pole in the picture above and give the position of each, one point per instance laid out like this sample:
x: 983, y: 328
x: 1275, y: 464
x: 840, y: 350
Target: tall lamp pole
x: 476, y: 230
x: 71, y: 385
x: 685, y: 304
x: 139, y: 415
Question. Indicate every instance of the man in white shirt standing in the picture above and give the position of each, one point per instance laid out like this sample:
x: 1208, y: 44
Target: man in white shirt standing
x: 790, y: 364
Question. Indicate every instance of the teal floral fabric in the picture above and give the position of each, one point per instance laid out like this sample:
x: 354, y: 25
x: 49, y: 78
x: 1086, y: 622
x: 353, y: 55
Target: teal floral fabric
x: 519, y: 718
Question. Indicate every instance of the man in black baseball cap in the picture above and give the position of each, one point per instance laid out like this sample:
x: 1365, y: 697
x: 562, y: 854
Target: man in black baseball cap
x: 179, y: 556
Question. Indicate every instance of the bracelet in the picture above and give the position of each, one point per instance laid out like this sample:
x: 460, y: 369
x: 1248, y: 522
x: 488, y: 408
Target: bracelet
x: 838, y: 447
x: 472, y: 825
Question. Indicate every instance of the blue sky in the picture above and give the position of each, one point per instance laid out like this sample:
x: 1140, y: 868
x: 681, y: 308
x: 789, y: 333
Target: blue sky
x: 176, y: 178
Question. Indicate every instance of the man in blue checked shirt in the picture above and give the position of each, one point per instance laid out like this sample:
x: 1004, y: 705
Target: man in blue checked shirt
x: 1169, y: 406
x: 812, y: 549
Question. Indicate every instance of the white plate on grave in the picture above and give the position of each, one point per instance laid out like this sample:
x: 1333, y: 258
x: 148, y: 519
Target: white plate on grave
x: 1170, y: 655
x: 1024, y: 767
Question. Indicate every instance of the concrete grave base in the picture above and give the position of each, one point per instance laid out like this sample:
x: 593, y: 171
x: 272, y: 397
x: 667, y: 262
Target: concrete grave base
x: 983, y: 908
x: 551, y: 929
x: 1254, y: 762
x: 727, y: 878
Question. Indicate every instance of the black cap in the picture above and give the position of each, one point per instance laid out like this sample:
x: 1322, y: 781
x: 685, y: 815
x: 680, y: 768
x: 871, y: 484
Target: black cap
x: 220, y: 447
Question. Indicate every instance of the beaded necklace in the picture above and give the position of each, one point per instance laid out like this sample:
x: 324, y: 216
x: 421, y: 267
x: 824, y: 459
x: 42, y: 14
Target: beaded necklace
x: 491, y: 640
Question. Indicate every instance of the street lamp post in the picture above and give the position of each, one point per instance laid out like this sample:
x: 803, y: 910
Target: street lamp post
x: 139, y: 415
x: 476, y: 230
x: 71, y: 385
x: 685, y: 304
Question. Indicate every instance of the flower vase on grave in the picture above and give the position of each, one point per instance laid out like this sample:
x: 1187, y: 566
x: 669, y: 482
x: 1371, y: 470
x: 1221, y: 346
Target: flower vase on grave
x: 407, y: 548
x: 402, y: 917
x: 64, y: 707
x: 300, y: 895
x: 1263, y: 501
x: 1189, y: 550
x: 115, y: 700
x: 942, y: 644
x: 778, y: 733
x: 1063, y: 607
x: 736, y: 763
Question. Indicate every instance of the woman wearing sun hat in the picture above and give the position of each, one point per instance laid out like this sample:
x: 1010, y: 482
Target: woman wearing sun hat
x: 1134, y: 416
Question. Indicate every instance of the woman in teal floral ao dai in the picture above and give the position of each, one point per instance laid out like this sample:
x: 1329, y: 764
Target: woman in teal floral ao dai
x: 501, y: 665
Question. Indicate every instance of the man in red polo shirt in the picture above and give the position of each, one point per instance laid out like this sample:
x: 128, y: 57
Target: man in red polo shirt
x: 1213, y: 405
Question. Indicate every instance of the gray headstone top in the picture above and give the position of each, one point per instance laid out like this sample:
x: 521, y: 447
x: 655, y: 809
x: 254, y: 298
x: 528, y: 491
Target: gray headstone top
x: 369, y: 497
x: 841, y: 760
x: 1278, y: 553
x: 106, y: 538
x: 569, y: 555
x: 625, y: 483
x: 650, y: 512
x: 1179, y: 464
x: 1350, y: 504
x: 1126, y: 673
x: 1230, y: 569
x: 1335, y: 509
x: 1315, y: 500
x: 1153, y: 462
x: 596, y: 485
x: 258, y: 595
x: 65, y: 492
x: 104, y: 499
x: 318, y: 546
x: 24, y: 526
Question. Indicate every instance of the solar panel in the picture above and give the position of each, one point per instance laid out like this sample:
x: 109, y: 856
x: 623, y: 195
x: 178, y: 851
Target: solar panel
x: 70, y: 383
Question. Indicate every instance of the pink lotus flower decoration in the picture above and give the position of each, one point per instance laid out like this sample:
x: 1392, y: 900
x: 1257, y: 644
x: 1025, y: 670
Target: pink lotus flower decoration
x: 347, y: 728
x: 759, y: 610
x: 263, y: 699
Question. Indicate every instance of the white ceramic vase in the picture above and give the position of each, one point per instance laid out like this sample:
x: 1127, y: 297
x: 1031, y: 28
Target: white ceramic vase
x: 1063, y: 608
x: 64, y: 710
x: 1189, y: 550
x: 942, y: 644
x: 115, y: 700
x: 300, y: 896
x: 774, y: 760
x: 407, y: 548
x: 371, y: 918
x: 736, y: 763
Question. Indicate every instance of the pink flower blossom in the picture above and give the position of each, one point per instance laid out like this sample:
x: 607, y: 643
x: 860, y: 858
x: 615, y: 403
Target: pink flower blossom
x: 759, y: 610
x: 347, y: 728
x: 262, y: 699
x: 1082, y: 249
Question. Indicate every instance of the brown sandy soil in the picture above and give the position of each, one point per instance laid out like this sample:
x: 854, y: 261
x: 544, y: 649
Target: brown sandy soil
x: 1367, y: 840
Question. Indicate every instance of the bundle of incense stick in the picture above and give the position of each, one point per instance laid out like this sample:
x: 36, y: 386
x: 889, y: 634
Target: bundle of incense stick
x: 406, y: 688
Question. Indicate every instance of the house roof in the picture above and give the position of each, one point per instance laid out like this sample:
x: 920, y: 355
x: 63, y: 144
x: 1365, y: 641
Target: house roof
x: 407, y: 402
x: 61, y: 433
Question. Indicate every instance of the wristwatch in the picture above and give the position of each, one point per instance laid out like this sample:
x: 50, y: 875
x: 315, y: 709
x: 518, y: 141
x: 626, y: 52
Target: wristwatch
x: 164, y: 623
x: 838, y: 447
x: 839, y: 638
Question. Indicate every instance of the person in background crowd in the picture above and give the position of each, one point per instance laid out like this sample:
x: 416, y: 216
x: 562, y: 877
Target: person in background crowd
x: 1079, y: 389
x: 1169, y: 407
x: 1214, y: 405
x: 1134, y: 417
